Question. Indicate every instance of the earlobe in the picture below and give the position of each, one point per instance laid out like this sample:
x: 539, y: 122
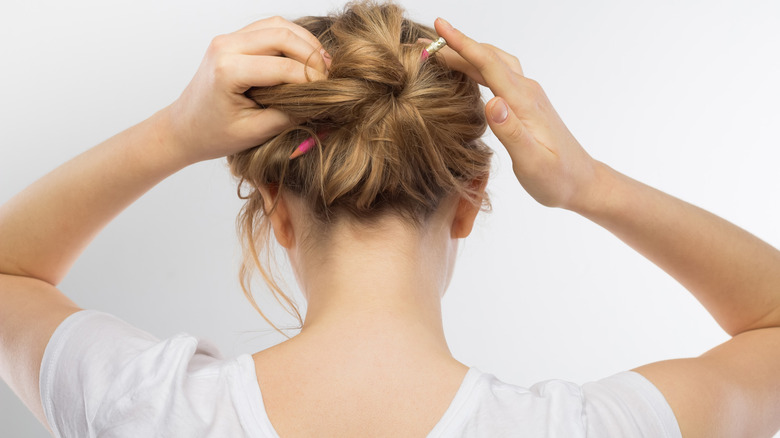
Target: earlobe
x: 464, y: 219
x: 466, y: 212
x: 280, y: 217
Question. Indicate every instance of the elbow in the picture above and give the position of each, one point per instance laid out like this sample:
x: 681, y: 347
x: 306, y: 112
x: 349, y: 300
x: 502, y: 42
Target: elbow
x: 9, y: 267
x: 770, y: 319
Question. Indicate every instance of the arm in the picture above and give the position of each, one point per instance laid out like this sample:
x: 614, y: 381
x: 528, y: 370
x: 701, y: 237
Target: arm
x: 732, y: 273
x: 45, y: 227
x: 732, y: 390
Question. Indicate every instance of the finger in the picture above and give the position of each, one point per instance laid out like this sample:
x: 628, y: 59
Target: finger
x: 248, y: 71
x: 271, y: 42
x: 265, y: 123
x: 282, y: 22
x: 513, y: 134
x: 450, y: 55
x: 456, y: 62
x: 510, y: 60
x: 498, y: 76
x: 504, y: 124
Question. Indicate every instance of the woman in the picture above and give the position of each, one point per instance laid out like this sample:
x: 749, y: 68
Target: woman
x: 370, y: 218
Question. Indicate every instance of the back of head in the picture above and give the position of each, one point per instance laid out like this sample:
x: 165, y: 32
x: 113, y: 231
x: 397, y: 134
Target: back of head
x: 403, y: 133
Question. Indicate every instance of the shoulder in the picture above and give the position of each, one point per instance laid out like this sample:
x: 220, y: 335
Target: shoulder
x: 625, y: 404
x: 731, y: 390
x: 30, y: 312
x: 101, y: 369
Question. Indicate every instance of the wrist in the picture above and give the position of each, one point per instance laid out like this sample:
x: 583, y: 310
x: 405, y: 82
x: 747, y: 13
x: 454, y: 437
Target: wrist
x: 167, y: 146
x: 597, y: 195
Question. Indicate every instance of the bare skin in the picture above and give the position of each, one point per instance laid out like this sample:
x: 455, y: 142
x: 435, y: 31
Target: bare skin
x: 373, y: 328
x: 732, y: 390
x: 733, y: 274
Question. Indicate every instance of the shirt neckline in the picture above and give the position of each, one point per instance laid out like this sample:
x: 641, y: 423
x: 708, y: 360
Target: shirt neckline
x: 255, y: 417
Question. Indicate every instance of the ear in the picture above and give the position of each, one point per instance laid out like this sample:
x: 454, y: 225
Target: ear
x: 280, y: 218
x: 466, y: 212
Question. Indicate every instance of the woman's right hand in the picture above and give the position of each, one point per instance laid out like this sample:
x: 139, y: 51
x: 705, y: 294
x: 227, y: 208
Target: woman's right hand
x: 213, y: 118
x: 548, y: 161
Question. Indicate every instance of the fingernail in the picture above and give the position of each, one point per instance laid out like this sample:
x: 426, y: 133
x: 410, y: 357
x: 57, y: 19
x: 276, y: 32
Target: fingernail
x: 326, y: 57
x: 499, y: 112
x: 446, y: 24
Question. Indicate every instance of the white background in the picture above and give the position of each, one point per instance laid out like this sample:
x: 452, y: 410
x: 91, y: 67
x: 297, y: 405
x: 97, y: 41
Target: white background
x: 681, y: 95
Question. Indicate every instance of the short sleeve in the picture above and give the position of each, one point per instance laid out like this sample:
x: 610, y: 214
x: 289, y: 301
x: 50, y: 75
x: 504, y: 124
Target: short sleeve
x: 627, y: 404
x: 95, y: 359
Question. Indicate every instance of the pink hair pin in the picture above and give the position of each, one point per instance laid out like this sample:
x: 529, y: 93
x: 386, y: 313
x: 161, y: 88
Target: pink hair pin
x: 307, y: 144
x: 433, y: 48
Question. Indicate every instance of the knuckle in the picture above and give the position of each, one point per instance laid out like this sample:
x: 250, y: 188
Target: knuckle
x: 219, y: 43
x: 277, y: 20
x: 534, y: 87
x: 515, y: 132
x: 487, y: 58
x: 494, y: 58
x: 493, y: 52
x: 221, y: 66
x: 283, y: 33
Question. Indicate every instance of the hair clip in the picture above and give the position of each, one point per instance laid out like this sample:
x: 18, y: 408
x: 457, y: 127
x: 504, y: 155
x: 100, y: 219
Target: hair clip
x: 307, y: 144
x: 433, y: 48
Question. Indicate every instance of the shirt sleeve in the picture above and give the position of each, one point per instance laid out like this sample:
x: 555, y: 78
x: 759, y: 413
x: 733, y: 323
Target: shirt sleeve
x: 93, y: 359
x: 627, y: 404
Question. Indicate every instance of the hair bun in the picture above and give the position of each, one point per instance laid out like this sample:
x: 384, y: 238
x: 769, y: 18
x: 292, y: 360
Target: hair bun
x: 404, y: 134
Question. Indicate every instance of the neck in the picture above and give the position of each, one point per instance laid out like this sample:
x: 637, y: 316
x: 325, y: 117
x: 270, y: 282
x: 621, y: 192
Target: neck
x: 378, y: 293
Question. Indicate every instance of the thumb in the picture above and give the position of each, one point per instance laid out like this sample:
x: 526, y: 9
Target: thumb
x: 507, y: 127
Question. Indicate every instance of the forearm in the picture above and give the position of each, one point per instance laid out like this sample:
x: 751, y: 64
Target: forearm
x: 44, y: 228
x: 735, y: 275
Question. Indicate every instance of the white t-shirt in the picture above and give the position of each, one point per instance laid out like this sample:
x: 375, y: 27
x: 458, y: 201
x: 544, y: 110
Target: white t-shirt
x: 102, y: 377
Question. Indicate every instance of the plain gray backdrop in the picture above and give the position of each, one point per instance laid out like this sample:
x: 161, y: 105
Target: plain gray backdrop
x: 681, y: 95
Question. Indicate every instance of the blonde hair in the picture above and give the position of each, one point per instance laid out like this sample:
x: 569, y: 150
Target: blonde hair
x: 403, y: 134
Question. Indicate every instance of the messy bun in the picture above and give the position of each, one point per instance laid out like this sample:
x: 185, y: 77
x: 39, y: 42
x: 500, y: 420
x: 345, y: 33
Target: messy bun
x: 403, y: 133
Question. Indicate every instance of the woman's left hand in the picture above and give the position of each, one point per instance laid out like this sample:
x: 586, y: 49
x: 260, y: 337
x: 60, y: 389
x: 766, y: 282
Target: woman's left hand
x: 212, y: 118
